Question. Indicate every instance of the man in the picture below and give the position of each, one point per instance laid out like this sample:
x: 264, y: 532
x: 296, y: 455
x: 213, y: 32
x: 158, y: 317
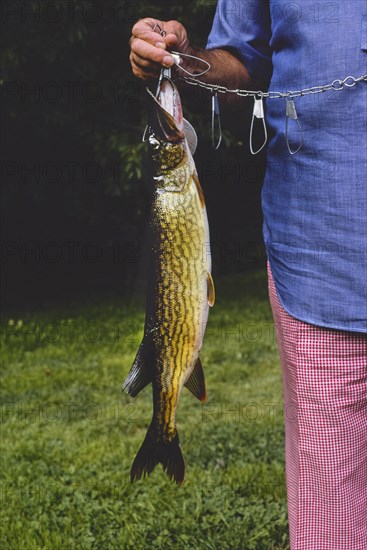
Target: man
x: 315, y: 231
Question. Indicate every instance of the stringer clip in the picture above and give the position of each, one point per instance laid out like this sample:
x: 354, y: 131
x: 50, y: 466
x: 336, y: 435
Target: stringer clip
x: 216, y: 124
x: 258, y: 112
x: 291, y: 114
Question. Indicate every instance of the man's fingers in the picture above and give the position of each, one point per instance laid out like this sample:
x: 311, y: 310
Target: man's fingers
x: 150, y: 48
x: 144, y: 75
x: 143, y: 29
x: 150, y: 53
x: 142, y: 63
x: 144, y: 68
x: 171, y: 41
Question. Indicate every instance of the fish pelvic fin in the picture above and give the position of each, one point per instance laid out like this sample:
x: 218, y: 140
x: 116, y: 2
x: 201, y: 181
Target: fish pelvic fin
x: 211, y: 290
x: 139, y: 376
x: 153, y: 452
x: 196, y: 382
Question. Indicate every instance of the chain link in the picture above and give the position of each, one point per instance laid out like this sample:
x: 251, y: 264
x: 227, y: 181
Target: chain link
x: 336, y: 85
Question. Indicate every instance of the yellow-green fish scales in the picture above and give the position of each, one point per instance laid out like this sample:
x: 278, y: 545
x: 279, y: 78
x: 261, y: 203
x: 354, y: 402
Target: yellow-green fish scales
x: 180, y: 290
x: 180, y: 287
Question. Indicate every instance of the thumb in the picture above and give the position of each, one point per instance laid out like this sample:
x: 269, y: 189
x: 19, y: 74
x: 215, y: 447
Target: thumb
x: 172, y: 41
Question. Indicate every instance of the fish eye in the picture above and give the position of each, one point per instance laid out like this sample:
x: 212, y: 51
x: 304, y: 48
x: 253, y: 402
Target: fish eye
x: 154, y: 143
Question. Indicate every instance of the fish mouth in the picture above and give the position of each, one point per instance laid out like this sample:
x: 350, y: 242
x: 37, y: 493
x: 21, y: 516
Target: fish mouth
x: 166, y: 119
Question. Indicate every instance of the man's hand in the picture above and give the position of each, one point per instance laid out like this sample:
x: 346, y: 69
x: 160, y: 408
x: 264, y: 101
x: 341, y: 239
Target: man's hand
x: 149, y: 49
x: 150, y: 52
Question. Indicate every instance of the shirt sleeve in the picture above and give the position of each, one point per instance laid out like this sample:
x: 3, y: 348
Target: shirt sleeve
x: 244, y: 28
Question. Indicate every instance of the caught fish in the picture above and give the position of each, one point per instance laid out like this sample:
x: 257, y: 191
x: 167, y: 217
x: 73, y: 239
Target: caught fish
x: 180, y: 288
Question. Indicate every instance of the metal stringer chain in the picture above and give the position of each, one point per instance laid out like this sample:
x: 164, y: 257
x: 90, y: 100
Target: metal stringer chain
x: 337, y: 84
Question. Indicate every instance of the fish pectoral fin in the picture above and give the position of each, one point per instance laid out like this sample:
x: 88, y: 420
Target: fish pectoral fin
x: 211, y: 290
x: 196, y: 382
x: 190, y: 135
x: 139, y: 375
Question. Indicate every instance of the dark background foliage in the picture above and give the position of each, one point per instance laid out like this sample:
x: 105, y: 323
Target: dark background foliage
x: 75, y: 180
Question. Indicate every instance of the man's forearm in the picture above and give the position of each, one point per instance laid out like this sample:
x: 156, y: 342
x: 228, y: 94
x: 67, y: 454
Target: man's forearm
x: 225, y: 70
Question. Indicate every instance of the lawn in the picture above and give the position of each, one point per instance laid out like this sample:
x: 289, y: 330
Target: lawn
x: 69, y: 435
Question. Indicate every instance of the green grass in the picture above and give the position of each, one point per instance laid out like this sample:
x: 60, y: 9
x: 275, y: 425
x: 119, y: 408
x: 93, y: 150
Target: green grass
x: 69, y: 435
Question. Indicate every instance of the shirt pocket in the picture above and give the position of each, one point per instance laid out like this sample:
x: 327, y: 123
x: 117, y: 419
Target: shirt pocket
x: 364, y: 33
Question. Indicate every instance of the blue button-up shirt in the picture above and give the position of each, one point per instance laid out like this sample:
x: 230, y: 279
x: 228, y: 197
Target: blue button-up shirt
x: 314, y: 202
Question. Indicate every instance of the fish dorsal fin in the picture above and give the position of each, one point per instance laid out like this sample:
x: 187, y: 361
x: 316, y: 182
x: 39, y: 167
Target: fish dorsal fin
x: 196, y: 382
x: 139, y: 375
x: 190, y: 135
x: 211, y: 290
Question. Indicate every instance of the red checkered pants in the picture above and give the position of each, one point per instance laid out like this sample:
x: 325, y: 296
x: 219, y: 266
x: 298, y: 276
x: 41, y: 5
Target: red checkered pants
x: 325, y: 399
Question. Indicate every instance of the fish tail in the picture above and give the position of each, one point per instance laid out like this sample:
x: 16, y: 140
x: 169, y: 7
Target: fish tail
x: 153, y: 452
